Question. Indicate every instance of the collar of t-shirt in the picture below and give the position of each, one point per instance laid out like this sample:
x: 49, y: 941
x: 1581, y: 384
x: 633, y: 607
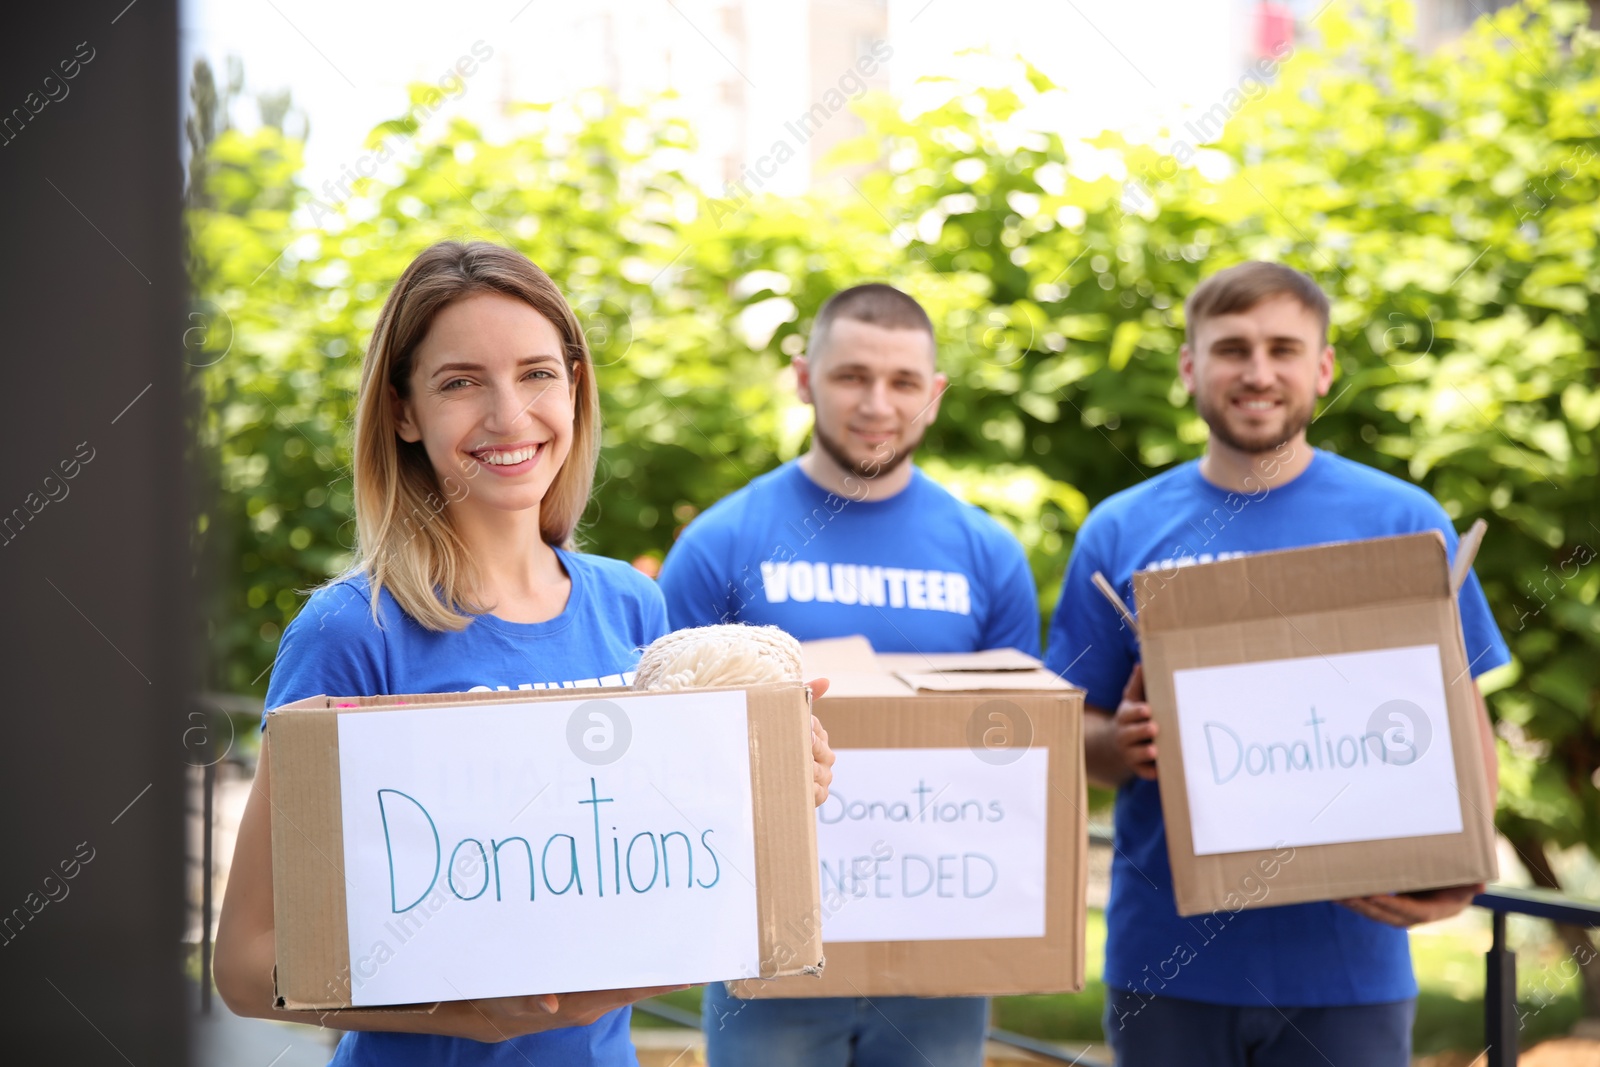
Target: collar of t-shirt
x: 1306, y: 479
x: 802, y: 483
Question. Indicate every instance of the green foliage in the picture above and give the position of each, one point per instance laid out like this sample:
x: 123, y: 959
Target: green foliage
x: 1446, y: 201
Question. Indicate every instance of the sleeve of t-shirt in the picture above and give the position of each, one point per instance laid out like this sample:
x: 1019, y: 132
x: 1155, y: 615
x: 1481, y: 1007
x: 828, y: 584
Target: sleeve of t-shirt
x: 695, y: 591
x: 1089, y: 645
x: 1014, y: 602
x: 1486, y: 646
x: 333, y: 646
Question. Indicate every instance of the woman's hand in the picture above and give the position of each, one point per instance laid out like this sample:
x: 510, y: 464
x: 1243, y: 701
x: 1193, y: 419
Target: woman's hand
x: 502, y: 1018
x: 821, y: 755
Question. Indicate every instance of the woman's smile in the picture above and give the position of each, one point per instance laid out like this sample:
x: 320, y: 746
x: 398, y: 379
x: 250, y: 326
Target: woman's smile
x: 509, y: 460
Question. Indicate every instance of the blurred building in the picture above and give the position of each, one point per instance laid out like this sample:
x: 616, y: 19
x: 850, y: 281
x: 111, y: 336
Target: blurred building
x: 768, y: 84
x: 1438, y: 21
x: 849, y: 45
x: 1262, y: 28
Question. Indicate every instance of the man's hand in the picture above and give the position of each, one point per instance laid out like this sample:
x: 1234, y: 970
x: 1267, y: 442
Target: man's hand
x: 1134, y: 730
x: 1412, y: 909
x: 821, y: 755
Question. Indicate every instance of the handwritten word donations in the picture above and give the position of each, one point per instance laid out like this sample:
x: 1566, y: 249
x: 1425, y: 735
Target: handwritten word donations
x: 648, y: 861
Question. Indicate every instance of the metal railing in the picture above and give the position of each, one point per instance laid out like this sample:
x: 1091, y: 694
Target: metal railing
x: 1501, y: 1025
x: 1041, y: 1049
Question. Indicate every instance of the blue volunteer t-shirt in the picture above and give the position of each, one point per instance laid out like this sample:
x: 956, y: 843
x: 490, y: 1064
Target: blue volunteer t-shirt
x: 918, y: 572
x: 333, y: 648
x: 1302, y: 955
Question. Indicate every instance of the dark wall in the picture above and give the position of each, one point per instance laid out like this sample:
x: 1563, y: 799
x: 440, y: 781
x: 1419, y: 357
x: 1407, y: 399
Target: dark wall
x: 94, y: 653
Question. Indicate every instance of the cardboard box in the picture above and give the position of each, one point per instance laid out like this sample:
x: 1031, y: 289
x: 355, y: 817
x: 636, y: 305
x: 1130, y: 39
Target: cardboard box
x: 1319, y: 734
x: 960, y: 780
x: 676, y: 776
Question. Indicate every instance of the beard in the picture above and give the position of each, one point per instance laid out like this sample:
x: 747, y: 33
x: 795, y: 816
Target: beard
x: 874, y: 466
x: 1296, y: 417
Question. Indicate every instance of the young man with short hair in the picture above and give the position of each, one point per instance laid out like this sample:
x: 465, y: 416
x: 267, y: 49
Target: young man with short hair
x: 1277, y: 986
x: 851, y: 538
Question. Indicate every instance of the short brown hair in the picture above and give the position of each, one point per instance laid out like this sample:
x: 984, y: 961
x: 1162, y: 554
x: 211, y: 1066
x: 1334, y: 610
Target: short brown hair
x: 874, y: 303
x: 1241, y: 287
x: 404, y: 532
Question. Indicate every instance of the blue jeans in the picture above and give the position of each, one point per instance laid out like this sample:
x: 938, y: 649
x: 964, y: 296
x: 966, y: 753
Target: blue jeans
x: 1147, y: 1031
x: 841, y: 1031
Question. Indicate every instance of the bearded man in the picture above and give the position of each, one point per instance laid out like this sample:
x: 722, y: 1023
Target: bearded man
x: 851, y: 538
x: 1276, y: 986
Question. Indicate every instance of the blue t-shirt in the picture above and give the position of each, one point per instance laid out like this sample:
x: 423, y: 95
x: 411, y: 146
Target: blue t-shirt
x: 1302, y: 955
x: 917, y: 572
x: 333, y: 648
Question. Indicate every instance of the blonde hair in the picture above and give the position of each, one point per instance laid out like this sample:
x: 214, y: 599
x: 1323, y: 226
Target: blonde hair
x: 407, y: 541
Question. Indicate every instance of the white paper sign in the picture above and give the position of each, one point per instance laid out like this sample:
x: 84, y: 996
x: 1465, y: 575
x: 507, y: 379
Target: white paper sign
x: 1353, y: 746
x: 531, y: 848
x: 933, y: 844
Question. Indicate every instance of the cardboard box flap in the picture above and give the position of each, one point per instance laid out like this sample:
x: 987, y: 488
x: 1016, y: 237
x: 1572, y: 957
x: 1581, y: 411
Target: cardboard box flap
x: 854, y: 670
x: 980, y: 681
x: 837, y: 656
x: 994, y: 659
x: 1273, y: 585
x: 865, y: 684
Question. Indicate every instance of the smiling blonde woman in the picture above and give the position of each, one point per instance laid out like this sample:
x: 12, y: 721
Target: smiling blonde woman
x: 477, y: 432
